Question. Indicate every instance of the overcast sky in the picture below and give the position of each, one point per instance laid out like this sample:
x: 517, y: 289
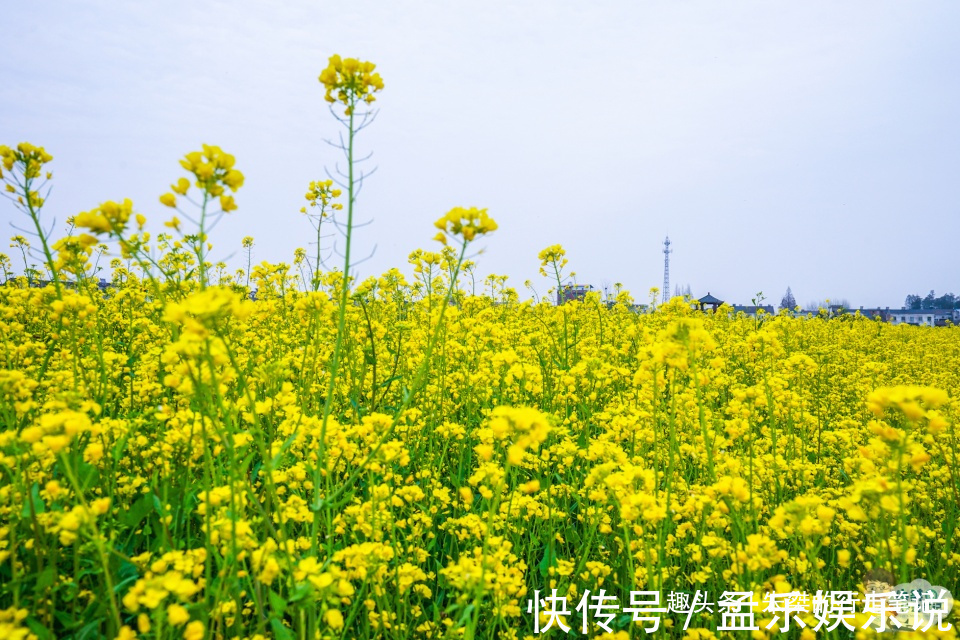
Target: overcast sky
x: 809, y: 144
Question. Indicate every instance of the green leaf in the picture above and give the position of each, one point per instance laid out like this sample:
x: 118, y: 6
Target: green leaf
x: 65, y: 619
x: 135, y: 515
x: 88, y: 475
x: 38, y: 505
x: 467, y: 610
x: 45, y: 579
x: 118, y: 448
x: 127, y: 573
x: 299, y: 593
x: 128, y: 570
x: 388, y: 381
x: 277, y: 603
x: 549, y: 560
x: 38, y: 629
x: 91, y: 630
x: 67, y: 592
x: 280, y: 632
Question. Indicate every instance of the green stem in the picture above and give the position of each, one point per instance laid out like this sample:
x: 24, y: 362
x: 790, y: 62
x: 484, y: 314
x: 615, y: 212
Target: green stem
x: 341, y: 330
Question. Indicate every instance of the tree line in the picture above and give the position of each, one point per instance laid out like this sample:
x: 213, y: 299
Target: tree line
x: 932, y: 301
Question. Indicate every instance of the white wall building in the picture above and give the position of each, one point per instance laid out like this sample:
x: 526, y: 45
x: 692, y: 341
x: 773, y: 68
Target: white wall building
x: 924, y: 317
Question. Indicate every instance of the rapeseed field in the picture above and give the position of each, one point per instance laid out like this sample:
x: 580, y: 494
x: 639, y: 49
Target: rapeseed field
x: 283, y: 452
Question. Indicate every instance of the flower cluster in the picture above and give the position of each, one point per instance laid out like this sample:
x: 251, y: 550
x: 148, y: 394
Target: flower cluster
x: 468, y: 223
x: 554, y: 257
x: 524, y: 428
x: 349, y: 81
x: 213, y: 172
x: 914, y: 402
x: 20, y: 168
x: 27, y: 157
x: 109, y: 217
x: 321, y: 194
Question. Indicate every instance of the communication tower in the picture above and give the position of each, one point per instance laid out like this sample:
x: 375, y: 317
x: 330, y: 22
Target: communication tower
x: 666, y: 269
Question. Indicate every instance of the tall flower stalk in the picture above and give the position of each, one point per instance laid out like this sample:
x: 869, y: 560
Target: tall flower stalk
x: 320, y: 197
x: 214, y: 173
x: 24, y: 178
x: 352, y: 84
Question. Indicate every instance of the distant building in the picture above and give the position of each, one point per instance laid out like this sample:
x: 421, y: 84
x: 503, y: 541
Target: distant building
x: 917, y: 317
x: 709, y: 301
x: 573, y: 292
x: 925, y: 317
x: 753, y: 310
x: 882, y: 314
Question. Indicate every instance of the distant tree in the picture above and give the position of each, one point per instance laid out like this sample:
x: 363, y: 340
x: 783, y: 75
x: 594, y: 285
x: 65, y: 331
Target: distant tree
x: 788, y: 301
x: 946, y: 301
x: 932, y: 301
